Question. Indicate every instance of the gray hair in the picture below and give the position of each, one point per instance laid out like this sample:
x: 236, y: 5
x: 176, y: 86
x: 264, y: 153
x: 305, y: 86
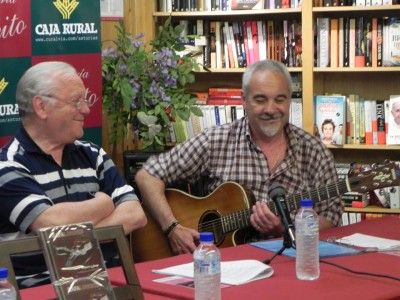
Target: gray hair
x: 39, y: 79
x: 265, y: 65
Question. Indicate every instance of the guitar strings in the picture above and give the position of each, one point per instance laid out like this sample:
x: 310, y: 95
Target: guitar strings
x: 230, y: 222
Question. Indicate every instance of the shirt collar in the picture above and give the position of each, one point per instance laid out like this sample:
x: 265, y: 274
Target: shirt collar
x: 31, y: 147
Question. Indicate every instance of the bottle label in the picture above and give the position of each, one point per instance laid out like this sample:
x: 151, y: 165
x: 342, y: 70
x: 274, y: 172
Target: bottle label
x: 210, y: 268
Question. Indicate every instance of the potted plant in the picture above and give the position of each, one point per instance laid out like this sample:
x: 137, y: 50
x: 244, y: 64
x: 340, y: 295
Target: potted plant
x: 145, y: 85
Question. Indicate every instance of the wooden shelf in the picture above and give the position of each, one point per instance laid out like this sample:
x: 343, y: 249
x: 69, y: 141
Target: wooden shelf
x: 373, y: 209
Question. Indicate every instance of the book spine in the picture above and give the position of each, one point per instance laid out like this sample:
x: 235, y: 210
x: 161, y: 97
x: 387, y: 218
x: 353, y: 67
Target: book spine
x: 368, y: 41
x: 323, y: 42
x: 362, y: 119
x: 374, y: 41
x: 352, y: 42
x: 374, y: 123
x: 346, y: 42
x: 379, y: 42
x: 250, y: 42
x: 380, y: 118
x: 359, y: 59
x: 334, y: 43
x: 224, y: 91
x: 341, y: 43
x: 394, y: 197
x: 224, y: 101
x: 271, y: 39
x: 368, y: 122
x: 207, y: 47
x: 256, y: 47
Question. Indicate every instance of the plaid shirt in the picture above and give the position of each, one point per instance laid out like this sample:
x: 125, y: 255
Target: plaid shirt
x: 227, y: 153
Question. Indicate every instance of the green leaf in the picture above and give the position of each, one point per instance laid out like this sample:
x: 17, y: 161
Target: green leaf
x: 196, y: 110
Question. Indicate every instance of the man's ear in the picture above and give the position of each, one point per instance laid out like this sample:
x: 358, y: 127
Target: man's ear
x: 40, y: 106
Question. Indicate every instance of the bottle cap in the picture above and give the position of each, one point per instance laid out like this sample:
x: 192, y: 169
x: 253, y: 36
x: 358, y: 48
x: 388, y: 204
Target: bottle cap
x: 206, y: 237
x: 306, y: 203
x: 3, y: 273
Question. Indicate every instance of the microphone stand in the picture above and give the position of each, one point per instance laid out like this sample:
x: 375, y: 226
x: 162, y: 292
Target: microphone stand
x: 288, y: 242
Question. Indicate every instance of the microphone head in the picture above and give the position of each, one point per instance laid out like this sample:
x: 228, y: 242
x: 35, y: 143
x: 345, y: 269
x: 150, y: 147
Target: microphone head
x: 276, y: 190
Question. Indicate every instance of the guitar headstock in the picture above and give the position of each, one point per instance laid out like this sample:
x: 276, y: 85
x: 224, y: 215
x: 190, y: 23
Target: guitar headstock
x: 379, y: 176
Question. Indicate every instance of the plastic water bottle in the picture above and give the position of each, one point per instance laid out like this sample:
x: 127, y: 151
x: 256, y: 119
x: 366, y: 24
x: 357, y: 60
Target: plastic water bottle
x: 307, y: 237
x: 7, y: 290
x: 207, y: 269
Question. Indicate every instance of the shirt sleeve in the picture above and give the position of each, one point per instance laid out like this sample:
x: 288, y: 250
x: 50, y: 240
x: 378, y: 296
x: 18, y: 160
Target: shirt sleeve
x: 185, y: 162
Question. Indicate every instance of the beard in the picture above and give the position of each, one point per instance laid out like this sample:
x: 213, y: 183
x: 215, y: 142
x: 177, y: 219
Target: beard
x: 272, y: 129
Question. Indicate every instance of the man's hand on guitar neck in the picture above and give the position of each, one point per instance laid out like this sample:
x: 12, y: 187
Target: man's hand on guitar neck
x: 182, y: 239
x: 265, y: 221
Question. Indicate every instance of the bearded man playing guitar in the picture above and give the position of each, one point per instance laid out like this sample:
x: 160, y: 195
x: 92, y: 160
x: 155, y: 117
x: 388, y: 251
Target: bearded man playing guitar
x: 260, y: 149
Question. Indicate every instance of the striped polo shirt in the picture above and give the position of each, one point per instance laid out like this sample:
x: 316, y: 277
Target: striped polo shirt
x: 31, y: 181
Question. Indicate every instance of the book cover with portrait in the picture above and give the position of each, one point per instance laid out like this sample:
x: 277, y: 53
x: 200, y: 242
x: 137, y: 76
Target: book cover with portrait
x: 330, y: 119
x: 393, y: 134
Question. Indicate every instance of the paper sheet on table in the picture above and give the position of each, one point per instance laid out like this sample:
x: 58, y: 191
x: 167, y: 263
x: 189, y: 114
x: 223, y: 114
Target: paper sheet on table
x: 369, y: 241
x: 232, y: 272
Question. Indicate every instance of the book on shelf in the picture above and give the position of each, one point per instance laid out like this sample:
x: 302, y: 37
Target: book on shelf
x: 374, y: 122
x: 393, y: 124
x: 361, y: 112
x: 386, y: 104
x: 224, y: 100
x: 352, y: 42
x: 218, y: 45
x: 381, y: 197
x: 334, y: 43
x: 262, y: 40
x: 247, y: 4
x: 249, y: 38
x: 256, y: 47
x: 237, y: 43
x: 75, y: 261
x: 220, y: 91
x: 380, y: 119
x: 368, y: 41
x: 359, y: 58
x: 391, y: 42
x: 323, y: 42
x: 341, y: 43
x: 330, y: 118
x: 368, y: 122
x: 394, y: 197
x: 346, y: 42
x: 296, y: 112
x: 379, y: 42
x: 355, y: 199
x: 374, y: 42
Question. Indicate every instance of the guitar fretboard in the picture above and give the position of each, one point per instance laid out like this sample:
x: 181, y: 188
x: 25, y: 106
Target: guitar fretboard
x: 382, y: 177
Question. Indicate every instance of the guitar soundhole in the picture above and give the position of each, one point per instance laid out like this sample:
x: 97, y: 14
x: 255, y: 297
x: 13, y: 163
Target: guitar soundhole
x: 211, y: 221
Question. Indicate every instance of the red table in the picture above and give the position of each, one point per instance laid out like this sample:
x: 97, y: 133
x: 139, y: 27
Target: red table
x: 334, y: 283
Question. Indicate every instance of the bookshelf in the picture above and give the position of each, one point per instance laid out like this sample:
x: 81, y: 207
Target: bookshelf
x: 373, y: 209
x: 316, y: 80
x: 378, y: 82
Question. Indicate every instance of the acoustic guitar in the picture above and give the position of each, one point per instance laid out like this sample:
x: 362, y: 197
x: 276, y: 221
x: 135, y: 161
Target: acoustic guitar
x: 226, y: 211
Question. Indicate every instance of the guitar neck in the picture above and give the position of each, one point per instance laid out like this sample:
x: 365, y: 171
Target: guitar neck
x: 241, y: 219
x: 317, y: 195
x: 382, y: 176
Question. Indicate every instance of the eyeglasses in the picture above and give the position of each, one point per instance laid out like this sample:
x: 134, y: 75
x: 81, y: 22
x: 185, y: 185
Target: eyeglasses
x: 77, y: 104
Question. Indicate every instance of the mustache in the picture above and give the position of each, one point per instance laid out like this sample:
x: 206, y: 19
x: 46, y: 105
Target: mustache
x: 271, y: 116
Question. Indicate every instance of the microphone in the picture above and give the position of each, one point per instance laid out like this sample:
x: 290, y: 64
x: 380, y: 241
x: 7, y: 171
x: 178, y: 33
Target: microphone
x: 277, y: 193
